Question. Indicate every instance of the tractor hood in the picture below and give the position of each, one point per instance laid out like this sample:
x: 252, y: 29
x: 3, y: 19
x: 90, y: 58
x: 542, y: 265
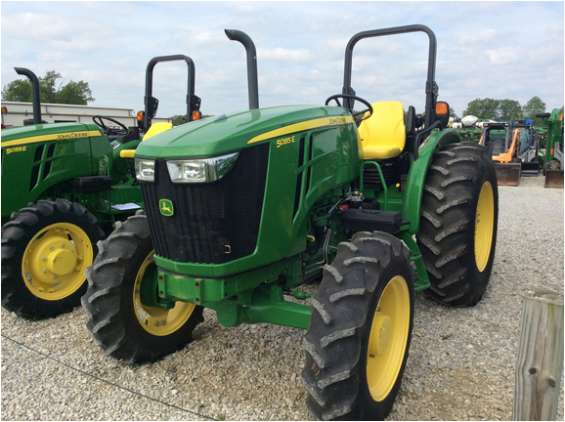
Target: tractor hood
x: 44, y: 132
x: 228, y: 133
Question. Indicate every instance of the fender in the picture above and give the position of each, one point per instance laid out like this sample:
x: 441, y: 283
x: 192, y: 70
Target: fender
x: 418, y: 172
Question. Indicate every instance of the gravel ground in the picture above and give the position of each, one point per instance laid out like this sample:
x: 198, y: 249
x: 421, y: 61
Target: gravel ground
x: 461, y: 363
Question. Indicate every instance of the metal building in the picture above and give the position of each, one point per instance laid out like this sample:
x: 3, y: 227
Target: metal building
x: 15, y: 112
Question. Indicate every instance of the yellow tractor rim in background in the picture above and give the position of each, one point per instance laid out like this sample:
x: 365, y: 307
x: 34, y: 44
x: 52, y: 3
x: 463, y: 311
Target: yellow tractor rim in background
x: 388, y: 338
x: 484, y: 226
x: 158, y: 321
x: 55, y: 260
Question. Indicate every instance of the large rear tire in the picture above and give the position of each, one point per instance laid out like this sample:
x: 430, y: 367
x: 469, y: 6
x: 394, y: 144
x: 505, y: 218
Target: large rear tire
x: 459, y: 222
x: 359, y: 335
x: 46, y: 249
x: 124, y: 327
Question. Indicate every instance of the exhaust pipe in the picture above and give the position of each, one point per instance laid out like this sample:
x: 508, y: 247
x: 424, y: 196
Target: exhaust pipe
x: 252, y: 85
x: 35, y: 92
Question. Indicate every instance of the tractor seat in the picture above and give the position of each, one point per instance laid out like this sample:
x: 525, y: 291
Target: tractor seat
x: 383, y: 135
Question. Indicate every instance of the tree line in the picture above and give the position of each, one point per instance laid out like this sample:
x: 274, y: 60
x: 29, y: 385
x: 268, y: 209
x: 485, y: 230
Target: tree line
x: 78, y: 92
x: 504, y: 110
x: 50, y: 92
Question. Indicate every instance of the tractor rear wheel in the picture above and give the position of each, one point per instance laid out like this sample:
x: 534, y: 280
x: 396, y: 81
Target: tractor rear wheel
x: 357, y: 344
x: 125, y: 327
x: 46, y: 249
x: 458, y: 225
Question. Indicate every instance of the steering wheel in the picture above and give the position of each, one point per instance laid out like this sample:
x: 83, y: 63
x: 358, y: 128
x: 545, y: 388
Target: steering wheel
x: 117, y: 129
x: 357, y: 115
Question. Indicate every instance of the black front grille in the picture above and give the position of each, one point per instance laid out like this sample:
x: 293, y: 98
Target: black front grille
x: 212, y: 222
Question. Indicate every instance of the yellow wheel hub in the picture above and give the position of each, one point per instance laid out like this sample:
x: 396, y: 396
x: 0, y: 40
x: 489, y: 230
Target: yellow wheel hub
x: 158, y: 321
x: 55, y: 260
x: 61, y: 261
x: 484, y: 226
x: 388, y: 338
x: 383, y: 328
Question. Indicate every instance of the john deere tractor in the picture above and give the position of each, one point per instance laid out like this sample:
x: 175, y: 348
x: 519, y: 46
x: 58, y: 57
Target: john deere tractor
x: 63, y: 185
x: 242, y: 209
x: 553, y: 148
x: 514, y: 148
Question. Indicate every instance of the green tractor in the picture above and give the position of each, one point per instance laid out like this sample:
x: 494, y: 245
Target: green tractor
x: 514, y: 148
x: 243, y: 209
x: 553, y: 148
x: 63, y: 187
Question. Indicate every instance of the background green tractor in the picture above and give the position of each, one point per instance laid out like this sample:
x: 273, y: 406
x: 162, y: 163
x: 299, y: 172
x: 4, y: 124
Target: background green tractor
x: 495, y: 137
x: 553, y: 148
x: 63, y: 186
x: 468, y: 128
x: 514, y: 148
x: 242, y: 209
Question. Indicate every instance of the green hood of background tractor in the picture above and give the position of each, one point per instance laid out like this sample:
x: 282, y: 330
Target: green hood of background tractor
x: 227, y: 133
x: 26, y: 134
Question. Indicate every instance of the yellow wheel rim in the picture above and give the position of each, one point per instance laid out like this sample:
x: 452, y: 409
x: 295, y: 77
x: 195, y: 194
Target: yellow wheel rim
x: 55, y: 260
x: 388, y: 338
x: 484, y: 226
x: 158, y: 321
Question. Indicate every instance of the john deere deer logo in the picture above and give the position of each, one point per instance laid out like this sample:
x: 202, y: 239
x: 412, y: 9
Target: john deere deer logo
x: 166, y: 207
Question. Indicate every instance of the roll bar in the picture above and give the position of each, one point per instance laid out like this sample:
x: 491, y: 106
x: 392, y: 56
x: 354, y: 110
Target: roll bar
x: 151, y: 103
x: 431, y: 86
x: 251, y: 52
x: 36, y: 100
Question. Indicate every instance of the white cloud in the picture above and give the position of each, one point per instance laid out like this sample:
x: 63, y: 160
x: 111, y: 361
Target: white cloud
x: 484, y: 50
x: 503, y: 55
x: 284, y: 54
x: 480, y: 36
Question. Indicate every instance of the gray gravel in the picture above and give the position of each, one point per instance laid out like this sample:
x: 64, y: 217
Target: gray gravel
x: 461, y: 363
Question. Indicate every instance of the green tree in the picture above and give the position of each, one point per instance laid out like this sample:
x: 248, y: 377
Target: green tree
x: 483, y: 108
x: 70, y: 93
x: 508, y: 110
x: 47, y: 86
x: 74, y: 93
x: 490, y: 108
x: 533, y: 106
x: 18, y: 90
x: 178, y: 119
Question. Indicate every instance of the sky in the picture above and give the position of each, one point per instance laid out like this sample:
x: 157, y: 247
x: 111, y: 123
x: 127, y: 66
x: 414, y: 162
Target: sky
x: 498, y: 50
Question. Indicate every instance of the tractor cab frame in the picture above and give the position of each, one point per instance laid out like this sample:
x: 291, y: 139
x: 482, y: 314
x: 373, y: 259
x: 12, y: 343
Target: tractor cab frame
x: 152, y: 103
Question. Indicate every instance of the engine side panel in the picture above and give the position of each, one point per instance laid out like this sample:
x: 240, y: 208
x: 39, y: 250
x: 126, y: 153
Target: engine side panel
x: 304, y: 169
x: 29, y: 170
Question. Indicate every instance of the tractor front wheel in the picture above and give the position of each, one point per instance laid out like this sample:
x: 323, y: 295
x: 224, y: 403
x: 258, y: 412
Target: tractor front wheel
x: 458, y: 226
x: 121, y: 323
x: 46, y: 249
x: 359, y: 335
